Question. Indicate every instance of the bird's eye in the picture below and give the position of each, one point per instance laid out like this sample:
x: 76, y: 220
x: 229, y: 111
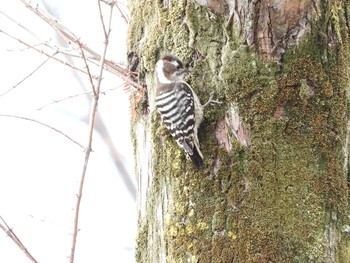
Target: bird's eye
x: 176, y: 64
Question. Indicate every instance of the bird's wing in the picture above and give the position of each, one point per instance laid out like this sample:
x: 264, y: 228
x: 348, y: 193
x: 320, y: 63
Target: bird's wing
x: 178, y: 115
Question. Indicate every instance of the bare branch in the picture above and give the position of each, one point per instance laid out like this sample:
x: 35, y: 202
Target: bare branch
x: 78, y: 95
x: 29, y: 75
x: 64, y: 99
x: 101, y: 17
x: 43, y: 124
x: 43, y: 52
x: 54, y: 47
x: 107, y: 2
x: 121, y: 12
x: 89, y: 56
x: 87, y: 68
x: 115, y: 2
x: 5, y: 227
x: 21, y: 26
x: 96, y: 91
x: 66, y: 34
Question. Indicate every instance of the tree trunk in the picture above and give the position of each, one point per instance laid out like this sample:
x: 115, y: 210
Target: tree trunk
x: 275, y: 183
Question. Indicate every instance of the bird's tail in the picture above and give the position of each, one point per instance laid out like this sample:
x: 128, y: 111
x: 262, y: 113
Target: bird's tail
x: 196, y: 158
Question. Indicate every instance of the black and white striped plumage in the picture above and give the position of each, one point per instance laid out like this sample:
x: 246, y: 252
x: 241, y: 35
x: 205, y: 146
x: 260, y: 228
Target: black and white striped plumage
x: 179, y: 106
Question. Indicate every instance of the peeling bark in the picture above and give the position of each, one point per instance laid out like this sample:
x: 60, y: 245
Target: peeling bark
x: 237, y: 126
x: 272, y: 26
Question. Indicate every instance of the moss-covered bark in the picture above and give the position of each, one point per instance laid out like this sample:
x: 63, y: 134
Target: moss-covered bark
x: 282, y: 198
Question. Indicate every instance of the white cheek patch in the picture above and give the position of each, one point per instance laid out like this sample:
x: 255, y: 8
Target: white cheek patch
x: 160, y: 73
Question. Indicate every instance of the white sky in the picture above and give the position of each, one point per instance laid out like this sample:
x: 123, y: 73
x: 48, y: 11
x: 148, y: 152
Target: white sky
x: 40, y: 169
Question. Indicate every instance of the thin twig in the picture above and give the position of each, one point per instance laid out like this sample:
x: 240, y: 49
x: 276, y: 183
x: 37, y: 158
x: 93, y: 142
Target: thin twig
x: 20, y: 25
x: 64, y: 99
x: 108, y: 2
x: 78, y: 95
x: 54, y: 47
x: 116, y: 3
x: 20, y: 49
x: 66, y: 34
x: 122, y: 13
x: 5, y: 227
x: 29, y: 75
x: 87, y: 68
x: 43, y: 124
x: 93, y: 111
x: 43, y: 52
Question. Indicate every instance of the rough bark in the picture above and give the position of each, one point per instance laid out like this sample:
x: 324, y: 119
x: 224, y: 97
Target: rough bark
x: 275, y: 184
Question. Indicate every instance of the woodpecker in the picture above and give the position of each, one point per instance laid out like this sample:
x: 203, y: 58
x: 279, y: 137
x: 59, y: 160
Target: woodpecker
x: 179, y: 106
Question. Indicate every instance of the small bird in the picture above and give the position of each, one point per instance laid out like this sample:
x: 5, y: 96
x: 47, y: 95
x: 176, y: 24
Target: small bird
x: 179, y: 106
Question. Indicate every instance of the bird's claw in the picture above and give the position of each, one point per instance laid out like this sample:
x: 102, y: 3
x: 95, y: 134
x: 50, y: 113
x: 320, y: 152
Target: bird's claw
x: 211, y: 100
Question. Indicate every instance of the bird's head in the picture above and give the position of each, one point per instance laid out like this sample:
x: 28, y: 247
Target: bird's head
x: 170, y: 69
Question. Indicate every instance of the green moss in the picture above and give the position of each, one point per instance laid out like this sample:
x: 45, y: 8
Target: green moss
x: 248, y: 82
x: 270, y: 202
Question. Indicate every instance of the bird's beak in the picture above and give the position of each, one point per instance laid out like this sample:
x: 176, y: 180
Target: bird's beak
x: 182, y: 73
x: 186, y: 71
